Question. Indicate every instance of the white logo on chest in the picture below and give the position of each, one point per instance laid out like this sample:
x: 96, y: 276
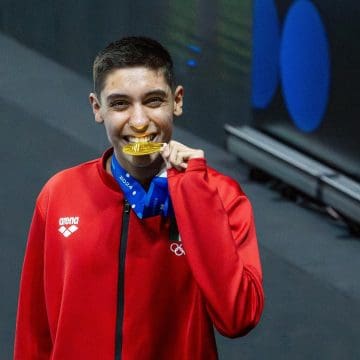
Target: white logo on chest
x: 68, y: 225
x: 177, y: 248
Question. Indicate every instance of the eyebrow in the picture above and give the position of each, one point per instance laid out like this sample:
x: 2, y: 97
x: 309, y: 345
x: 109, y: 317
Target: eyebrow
x: 157, y: 92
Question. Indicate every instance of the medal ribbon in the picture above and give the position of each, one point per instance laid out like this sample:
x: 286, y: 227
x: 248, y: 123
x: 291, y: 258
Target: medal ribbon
x: 145, y: 204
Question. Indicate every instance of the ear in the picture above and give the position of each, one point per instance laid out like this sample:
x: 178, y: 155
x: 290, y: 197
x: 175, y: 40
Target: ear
x: 96, y: 107
x: 178, y: 100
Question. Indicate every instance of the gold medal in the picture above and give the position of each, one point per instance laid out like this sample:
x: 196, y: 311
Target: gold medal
x: 142, y: 148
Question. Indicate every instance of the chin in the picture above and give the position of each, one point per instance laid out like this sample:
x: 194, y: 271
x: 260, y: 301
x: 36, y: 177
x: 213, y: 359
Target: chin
x: 144, y: 161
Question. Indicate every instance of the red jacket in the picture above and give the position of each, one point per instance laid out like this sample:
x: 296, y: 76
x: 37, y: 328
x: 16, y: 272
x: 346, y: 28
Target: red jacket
x: 85, y: 294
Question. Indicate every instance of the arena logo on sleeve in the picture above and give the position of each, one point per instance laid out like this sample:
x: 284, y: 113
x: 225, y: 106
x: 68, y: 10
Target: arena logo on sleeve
x: 68, y: 225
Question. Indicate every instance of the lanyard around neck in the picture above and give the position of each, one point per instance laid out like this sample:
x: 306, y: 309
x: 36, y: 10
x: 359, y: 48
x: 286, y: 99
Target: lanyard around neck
x: 156, y: 201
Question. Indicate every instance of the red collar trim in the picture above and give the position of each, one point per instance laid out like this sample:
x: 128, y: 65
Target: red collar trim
x: 105, y: 176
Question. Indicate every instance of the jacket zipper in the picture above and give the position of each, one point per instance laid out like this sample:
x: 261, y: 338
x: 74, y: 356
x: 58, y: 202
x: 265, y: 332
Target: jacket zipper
x: 121, y: 277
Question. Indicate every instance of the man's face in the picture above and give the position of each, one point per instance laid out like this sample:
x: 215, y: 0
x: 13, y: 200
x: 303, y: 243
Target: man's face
x: 137, y: 104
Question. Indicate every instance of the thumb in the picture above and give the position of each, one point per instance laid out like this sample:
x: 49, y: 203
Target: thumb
x: 165, y: 151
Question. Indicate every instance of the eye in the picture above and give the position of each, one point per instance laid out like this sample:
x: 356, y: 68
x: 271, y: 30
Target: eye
x: 154, y: 101
x: 119, y: 104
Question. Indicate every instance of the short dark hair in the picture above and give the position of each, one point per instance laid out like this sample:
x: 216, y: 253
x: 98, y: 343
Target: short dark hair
x: 131, y: 52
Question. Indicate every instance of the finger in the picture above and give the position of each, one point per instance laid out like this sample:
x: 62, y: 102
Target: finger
x: 173, y: 160
x: 165, y: 150
x: 173, y: 154
x: 179, y: 155
x: 178, y: 159
x: 184, y: 156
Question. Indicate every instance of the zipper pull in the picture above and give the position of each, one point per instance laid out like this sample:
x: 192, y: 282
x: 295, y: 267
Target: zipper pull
x: 126, y: 207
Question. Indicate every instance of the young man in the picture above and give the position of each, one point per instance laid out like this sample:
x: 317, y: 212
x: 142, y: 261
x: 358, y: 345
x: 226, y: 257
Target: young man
x: 137, y: 257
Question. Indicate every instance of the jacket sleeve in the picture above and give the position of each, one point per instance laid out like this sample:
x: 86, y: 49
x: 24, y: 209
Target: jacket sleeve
x: 217, y: 229
x: 32, y: 336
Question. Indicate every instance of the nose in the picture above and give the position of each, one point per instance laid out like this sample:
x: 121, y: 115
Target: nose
x: 139, y: 120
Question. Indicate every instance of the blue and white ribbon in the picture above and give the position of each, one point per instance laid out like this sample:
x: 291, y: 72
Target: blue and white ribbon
x: 156, y: 201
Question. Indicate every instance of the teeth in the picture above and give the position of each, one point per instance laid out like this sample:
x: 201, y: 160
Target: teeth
x: 134, y: 139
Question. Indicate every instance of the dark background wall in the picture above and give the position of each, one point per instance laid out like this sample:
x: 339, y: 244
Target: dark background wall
x: 210, y: 41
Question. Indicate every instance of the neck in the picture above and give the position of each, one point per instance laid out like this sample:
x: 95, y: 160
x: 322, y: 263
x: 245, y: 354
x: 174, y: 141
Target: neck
x: 143, y: 175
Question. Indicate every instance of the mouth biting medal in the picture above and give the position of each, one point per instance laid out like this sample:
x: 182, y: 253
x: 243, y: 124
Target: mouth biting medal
x: 142, y: 148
